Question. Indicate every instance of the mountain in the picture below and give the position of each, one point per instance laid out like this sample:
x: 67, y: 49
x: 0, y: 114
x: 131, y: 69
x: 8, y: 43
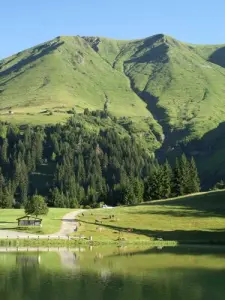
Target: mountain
x: 170, y: 93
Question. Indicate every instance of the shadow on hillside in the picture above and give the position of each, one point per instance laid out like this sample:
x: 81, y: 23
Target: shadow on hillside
x: 11, y: 78
x: 44, y: 49
x: 218, y: 57
x: 187, y: 212
x: 174, y: 235
x: 154, y: 54
x: 206, y: 205
x: 209, y: 141
x: 202, y: 149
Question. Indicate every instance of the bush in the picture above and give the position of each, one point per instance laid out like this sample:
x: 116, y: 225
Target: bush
x: 87, y: 207
x: 17, y: 205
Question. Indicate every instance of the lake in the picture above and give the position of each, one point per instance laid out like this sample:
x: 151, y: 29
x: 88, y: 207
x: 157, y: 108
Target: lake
x: 170, y: 273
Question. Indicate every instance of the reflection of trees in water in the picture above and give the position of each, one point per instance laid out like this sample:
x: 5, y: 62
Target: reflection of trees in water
x: 167, y: 284
x: 101, y: 281
x: 28, y: 260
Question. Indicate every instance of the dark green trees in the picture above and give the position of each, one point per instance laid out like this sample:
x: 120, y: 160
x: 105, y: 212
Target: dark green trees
x: 71, y: 165
x: 194, y: 180
x: 166, y: 182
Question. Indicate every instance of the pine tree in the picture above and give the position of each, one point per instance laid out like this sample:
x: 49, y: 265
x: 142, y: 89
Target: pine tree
x: 57, y: 198
x: 181, y: 176
x: 176, y: 179
x: 27, y: 138
x: 81, y: 170
x: 184, y: 175
x: 7, y: 199
x: 80, y: 194
x: 193, y: 178
x: 39, y: 147
x: 138, y: 188
x: 128, y: 194
x: 29, y: 163
x: 166, y: 180
x: 24, y: 181
x: 154, y: 185
x: 4, y: 152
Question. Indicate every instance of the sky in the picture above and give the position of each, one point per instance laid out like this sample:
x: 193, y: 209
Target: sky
x: 25, y: 23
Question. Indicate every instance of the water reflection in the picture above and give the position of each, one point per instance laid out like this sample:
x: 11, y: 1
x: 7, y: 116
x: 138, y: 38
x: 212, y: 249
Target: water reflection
x: 186, y: 273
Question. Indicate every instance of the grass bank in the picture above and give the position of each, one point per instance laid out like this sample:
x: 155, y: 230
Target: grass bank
x: 22, y: 242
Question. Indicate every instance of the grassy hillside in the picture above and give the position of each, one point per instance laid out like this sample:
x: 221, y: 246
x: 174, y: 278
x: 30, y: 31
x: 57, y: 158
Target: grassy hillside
x: 182, y: 88
x: 169, y: 90
x: 198, y: 217
x: 64, y: 73
x: 179, y: 84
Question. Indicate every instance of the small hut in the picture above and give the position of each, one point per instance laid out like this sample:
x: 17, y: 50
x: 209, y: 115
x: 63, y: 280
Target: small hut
x: 29, y: 221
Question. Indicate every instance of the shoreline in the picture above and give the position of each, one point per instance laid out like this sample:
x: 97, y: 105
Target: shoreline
x: 62, y: 242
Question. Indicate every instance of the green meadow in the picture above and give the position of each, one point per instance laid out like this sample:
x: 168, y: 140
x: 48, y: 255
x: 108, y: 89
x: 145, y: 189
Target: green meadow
x: 193, y: 218
x: 50, y: 223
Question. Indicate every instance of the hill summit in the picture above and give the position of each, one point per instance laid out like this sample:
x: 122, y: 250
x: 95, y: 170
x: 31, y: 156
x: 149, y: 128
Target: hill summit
x: 170, y: 90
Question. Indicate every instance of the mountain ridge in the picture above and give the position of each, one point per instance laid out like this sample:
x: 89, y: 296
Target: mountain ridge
x: 170, y: 91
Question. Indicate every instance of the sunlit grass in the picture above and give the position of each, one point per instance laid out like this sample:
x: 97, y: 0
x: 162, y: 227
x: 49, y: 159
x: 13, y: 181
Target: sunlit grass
x: 191, y: 218
x: 50, y: 224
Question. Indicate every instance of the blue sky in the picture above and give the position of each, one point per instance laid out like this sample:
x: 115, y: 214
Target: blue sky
x: 25, y: 23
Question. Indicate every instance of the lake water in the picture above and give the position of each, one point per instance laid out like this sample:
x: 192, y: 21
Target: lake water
x: 173, y: 273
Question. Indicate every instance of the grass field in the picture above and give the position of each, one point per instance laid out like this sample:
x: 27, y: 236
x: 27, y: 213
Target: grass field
x: 50, y: 224
x: 197, y: 218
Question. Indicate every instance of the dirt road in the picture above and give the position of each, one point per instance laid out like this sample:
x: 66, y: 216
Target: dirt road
x: 67, y: 227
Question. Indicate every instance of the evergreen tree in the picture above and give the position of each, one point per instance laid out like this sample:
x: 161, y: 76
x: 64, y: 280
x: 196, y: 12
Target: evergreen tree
x: 56, y: 198
x: 184, y: 175
x: 193, y: 178
x: 138, y: 188
x: 4, y: 152
x: 85, y: 168
x: 166, y: 180
x: 7, y: 199
x: 154, y: 185
x: 176, y: 182
x: 181, y: 176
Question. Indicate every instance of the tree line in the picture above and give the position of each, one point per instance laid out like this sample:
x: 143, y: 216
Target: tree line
x: 71, y: 166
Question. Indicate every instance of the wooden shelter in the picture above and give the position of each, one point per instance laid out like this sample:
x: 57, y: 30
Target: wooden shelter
x: 29, y: 221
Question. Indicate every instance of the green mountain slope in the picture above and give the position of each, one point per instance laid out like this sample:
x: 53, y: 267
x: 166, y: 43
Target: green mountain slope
x: 179, y: 84
x: 182, y: 88
x: 168, y: 92
x: 66, y: 71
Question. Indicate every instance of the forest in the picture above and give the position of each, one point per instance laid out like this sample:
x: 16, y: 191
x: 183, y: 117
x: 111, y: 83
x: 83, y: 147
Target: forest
x: 85, y: 169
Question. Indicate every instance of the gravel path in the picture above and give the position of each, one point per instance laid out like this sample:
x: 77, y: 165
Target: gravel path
x: 67, y: 227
